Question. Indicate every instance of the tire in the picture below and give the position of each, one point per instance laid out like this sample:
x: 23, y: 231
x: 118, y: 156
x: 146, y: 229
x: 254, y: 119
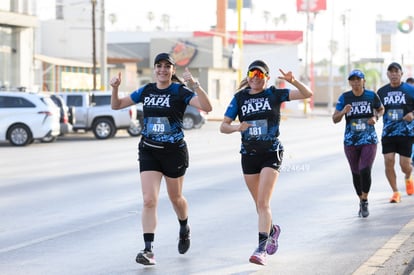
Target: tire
x: 72, y: 115
x: 103, y: 128
x: 135, y: 131
x: 19, y: 135
x: 49, y: 139
x: 188, y: 122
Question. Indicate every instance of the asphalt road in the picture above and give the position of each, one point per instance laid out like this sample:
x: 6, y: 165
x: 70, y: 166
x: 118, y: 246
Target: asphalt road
x: 73, y: 207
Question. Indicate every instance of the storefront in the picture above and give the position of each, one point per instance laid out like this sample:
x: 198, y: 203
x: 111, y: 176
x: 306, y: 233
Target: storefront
x: 64, y: 75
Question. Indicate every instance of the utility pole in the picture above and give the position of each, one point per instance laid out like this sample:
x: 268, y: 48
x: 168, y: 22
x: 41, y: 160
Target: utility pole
x: 103, y: 49
x: 93, y: 44
x: 239, y: 38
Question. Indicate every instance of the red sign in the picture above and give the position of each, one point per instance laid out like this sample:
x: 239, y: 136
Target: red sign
x: 311, y: 5
x: 260, y: 37
x: 183, y: 52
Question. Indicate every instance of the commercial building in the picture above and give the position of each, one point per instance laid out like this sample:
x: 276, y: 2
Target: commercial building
x: 17, y: 38
x: 67, y: 50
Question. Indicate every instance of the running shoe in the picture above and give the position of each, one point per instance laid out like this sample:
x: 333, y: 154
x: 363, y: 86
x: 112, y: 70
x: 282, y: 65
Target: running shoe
x: 272, y: 244
x: 258, y: 257
x: 184, y: 241
x: 363, y: 209
x: 409, y: 185
x: 396, y: 197
x: 146, y: 258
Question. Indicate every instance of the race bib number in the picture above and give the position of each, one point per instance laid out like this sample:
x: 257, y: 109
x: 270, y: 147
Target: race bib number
x: 158, y: 125
x: 257, y: 128
x: 395, y: 114
x: 359, y: 125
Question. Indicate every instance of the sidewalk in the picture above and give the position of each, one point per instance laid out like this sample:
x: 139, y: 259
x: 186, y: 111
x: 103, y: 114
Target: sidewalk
x: 396, y: 257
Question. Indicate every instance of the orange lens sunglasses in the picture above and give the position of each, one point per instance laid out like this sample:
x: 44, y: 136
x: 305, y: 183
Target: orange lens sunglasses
x: 257, y: 73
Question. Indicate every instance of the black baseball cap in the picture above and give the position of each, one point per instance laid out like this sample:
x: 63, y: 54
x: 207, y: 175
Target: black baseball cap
x: 259, y: 65
x: 164, y: 56
x: 394, y: 65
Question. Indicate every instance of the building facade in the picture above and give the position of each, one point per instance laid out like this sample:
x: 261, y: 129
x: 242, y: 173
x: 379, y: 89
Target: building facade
x: 62, y: 54
x: 17, y: 38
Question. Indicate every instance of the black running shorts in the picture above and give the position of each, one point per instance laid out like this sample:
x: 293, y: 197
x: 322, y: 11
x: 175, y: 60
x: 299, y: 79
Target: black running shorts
x: 171, y: 162
x: 253, y: 164
x: 399, y: 145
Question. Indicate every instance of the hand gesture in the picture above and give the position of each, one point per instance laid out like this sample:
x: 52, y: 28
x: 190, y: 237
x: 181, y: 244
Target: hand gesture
x: 287, y: 76
x: 188, y: 77
x: 115, y: 81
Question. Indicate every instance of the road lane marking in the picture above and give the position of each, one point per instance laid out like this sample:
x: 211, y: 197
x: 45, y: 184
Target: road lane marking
x: 77, y: 229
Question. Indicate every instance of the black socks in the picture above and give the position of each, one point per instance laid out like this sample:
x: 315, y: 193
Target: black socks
x: 148, y: 240
x: 263, y: 236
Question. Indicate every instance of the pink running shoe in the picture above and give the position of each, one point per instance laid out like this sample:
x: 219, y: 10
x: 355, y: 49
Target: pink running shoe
x: 258, y: 257
x: 272, y: 244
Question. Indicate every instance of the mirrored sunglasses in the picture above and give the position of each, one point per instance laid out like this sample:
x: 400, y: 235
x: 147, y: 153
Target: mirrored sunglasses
x: 257, y: 73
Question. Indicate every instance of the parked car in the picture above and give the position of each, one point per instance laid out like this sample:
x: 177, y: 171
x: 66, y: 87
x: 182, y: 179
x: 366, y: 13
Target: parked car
x: 193, y: 118
x: 66, y: 115
x: 94, y: 112
x: 26, y: 116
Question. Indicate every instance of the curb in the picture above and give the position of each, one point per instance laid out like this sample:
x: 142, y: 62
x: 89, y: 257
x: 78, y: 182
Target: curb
x: 376, y: 262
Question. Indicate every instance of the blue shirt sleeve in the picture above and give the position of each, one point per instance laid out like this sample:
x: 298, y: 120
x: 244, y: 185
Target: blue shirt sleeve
x: 231, y: 111
x: 341, y: 103
x: 136, y: 95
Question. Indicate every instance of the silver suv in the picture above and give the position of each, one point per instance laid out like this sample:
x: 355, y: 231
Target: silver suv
x: 26, y: 116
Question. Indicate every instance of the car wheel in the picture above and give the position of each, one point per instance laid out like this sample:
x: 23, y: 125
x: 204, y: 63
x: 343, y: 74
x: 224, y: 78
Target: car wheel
x: 49, y: 139
x: 19, y: 135
x: 103, y: 128
x: 135, y: 130
x: 198, y: 126
x: 188, y: 122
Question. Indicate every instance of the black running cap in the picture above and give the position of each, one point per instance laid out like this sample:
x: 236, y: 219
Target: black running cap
x: 164, y: 56
x: 394, y: 65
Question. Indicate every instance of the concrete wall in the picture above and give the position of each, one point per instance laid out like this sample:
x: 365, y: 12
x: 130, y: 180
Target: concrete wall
x: 72, y: 36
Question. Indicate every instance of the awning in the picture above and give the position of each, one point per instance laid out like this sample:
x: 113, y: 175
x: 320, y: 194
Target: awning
x: 63, y: 62
x: 18, y: 19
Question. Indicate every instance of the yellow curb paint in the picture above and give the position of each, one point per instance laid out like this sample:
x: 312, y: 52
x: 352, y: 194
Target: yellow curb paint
x: 377, y: 260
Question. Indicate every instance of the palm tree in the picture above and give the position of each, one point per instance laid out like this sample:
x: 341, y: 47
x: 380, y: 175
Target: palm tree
x: 165, y: 20
x: 150, y: 17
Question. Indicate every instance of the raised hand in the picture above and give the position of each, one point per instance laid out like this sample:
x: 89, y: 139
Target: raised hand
x: 116, y: 81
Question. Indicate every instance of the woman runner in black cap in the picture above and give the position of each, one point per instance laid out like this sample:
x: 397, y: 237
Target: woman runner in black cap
x: 258, y: 110
x: 162, y: 149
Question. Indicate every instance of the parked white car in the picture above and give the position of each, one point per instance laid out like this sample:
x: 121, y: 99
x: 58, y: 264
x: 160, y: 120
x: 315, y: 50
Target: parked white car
x: 26, y: 116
